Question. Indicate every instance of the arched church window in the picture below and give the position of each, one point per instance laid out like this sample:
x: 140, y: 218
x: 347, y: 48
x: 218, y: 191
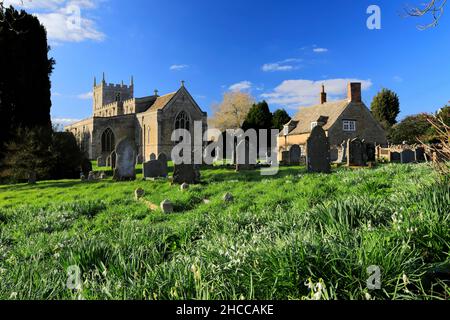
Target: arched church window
x: 182, y: 121
x: 108, y: 141
x: 118, y: 97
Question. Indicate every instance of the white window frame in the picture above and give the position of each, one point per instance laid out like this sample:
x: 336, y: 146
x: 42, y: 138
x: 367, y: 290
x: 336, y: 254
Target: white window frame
x: 349, y: 125
x: 314, y: 124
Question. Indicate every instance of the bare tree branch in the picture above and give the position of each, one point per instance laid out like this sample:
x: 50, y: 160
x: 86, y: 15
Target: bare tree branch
x: 433, y: 8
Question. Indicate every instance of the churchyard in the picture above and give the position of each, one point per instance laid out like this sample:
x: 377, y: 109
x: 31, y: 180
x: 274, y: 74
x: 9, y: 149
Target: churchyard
x: 231, y: 235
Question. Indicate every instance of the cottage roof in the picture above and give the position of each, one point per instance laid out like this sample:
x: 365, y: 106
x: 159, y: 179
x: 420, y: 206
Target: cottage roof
x: 327, y: 113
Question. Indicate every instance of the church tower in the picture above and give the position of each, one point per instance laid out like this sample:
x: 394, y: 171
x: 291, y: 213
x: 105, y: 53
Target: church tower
x: 105, y: 94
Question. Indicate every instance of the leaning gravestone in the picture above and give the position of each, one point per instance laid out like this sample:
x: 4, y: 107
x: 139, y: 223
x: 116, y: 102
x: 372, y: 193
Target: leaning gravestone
x: 407, y: 156
x: 356, y: 153
x: 245, y: 156
x: 342, y: 153
x: 112, y: 159
x: 125, y: 160
x: 295, y: 153
x: 86, y: 167
x: 155, y: 169
x: 420, y: 154
x: 186, y: 173
x: 318, y: 151
x: 101, y: 162
x: 163, y: 159
x: 394, y: 156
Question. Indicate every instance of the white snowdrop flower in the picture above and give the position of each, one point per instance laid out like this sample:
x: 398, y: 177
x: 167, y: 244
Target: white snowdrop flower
x: 368, y: 296
x: 13, y: 295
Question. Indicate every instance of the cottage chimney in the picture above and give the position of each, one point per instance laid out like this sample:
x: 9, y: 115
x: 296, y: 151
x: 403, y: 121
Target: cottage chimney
x: 354, y: 92
x: 323, y: 95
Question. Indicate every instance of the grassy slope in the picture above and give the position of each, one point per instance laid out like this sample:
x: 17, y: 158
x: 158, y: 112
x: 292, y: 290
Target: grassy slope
x: 278, y: 233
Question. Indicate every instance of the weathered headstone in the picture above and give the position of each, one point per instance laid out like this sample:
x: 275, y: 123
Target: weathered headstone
x: 394, y: 156
x: 420, y: 154
x: 342, y: 153
x: 407, y: 156
x: 139, y: 193
x: 139, y: 159
x: 356, y: 153
x: 295, y: 153
x: 83, y: 178
x: 318, y: 151
x: 86, y: 167
x: 155, y: 169
x: 167, y: 206
x: 186, y: 173
x: 245, y: 156
x: 113, y: 158
x: 184, y: 187
x: 103, y: 176
x: 125, y: 161
x: 285, y: 158
x: 163, y: 159
x: 101, y: 162
x: 153, y: 156
x: 92, y: 176
x: 228, y: 197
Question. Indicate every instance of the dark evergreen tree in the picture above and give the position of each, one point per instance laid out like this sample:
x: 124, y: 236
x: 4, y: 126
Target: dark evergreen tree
x: 66, y: 156
x: 25, y: 74
x: 386, y: 108
x: 259, y: 117
x: 280, y: 118
x: 411, y: 130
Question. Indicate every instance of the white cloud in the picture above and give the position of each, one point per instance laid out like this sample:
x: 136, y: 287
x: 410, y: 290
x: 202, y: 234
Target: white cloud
x: 295, y: 93
x: 178, y: 67
x: 64, y: 121
x: 398, y: 79
x: 65, y: 20
x: 85, y: 96
x: 241, y: 86
x: 320, y: 50
x: 285, y: 65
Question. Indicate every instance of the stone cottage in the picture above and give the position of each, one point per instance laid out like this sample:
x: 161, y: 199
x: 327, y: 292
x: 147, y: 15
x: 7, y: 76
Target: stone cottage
x: 342, y: 120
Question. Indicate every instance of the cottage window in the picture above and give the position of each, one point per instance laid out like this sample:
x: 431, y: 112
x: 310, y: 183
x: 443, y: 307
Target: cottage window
x: 349, y: 125
x: 314, y: 124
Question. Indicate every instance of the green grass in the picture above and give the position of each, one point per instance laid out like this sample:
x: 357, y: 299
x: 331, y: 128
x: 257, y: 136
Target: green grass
x: 279, y: 233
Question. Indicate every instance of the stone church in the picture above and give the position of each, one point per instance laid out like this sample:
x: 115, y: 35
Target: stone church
x: 148, y: 121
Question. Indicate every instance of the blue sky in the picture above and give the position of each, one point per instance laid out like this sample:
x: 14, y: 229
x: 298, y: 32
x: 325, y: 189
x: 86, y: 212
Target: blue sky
x: 281, y: 51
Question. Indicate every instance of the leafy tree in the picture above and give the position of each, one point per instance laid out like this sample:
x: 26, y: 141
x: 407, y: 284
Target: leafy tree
x: 25, y: 73
x: 259, y: 117
x: 280, y: 118
x: 411, y: 130
x: 444, y: 115
x: 66, y: 156
x: 232, y: 111
x: 27, y: 155
x: 386, y: 107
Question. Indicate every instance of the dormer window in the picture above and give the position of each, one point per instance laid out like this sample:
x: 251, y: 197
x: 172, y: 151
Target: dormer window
x: 286, y: 130
x: 349, y: 125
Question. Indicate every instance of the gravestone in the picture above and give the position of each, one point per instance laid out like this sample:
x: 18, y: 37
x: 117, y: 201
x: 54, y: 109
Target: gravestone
x: 186, y: 173
x: 228, y: 197
x: 163, y: 159
x: 285, y: 158
x: 420, y: 154
x: 112, y: 159
x: 101, y: 162
x: 139, y: 193
x: 166, y: 206
x: 86, y: 167
x: 371, y: 152
x: 153, y: 156
x: 407, y: 156
x: 139, y: 160
x: 394, y: 156
x: 342, y: 153
x: 318, y: 151
x: 295, y: 153
x: 245, y: 156
x: 155, y: 169
x: 125, y: 160
x: 356, y: 153
x: 184, y: 187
